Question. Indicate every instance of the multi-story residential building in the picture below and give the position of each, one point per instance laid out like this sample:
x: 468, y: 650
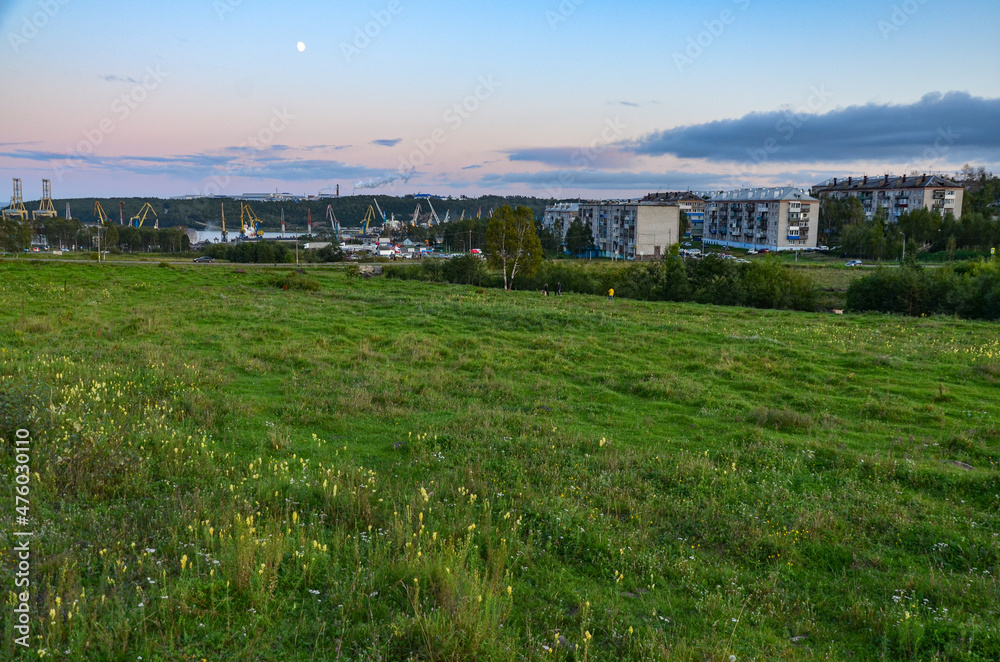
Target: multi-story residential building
x: 558, y: 217
x: 897, y: 195
x: 778, y: 219
x: 690, y: 203
x: 632, y: 229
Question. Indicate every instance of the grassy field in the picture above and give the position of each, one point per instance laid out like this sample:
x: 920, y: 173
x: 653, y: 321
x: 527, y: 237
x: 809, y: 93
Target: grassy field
x: 346, y: 469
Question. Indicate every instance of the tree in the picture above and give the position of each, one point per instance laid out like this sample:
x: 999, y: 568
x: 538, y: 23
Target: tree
x: 685, y: 223
x: 15, y: 235
x: 512, y: 243
x: 578, y: 237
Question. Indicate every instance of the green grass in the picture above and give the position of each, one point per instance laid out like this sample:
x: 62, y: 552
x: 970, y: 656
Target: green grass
x: 380, y: 469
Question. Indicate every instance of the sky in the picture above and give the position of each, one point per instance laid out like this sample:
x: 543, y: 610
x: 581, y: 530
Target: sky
x: 550, y: 98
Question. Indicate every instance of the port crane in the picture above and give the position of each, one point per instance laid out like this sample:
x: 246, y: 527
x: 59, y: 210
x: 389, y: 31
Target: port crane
x: 45, y: 207
x: 99, y: 212
x: 334, y: 223
x: 249, y: 222
x: 140, y: 218
x: 380, y: 212
x: 437, y: 220
x: 416, y: 215
x: 366, y: 222
x: 225, y: 235
x: 16, y: 209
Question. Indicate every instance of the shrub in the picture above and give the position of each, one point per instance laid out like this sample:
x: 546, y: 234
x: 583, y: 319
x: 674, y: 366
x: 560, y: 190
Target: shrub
x: 292, y: 280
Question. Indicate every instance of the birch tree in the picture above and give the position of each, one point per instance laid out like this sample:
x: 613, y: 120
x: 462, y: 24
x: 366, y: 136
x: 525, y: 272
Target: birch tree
x: 512, y: 243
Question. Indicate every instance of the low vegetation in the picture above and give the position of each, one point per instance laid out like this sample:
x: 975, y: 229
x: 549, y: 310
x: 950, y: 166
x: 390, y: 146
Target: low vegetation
x: 378, y: 469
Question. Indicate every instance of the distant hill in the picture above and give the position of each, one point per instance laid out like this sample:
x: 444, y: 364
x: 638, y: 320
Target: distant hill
x: 350, y: 210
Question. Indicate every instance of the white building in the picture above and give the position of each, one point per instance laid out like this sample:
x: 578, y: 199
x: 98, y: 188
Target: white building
x: 778, y: 219
x: 897, y: 195
x: 632, y: 230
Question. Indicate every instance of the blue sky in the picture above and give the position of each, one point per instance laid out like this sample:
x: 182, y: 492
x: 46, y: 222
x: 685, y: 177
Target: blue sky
x: 562, y: 98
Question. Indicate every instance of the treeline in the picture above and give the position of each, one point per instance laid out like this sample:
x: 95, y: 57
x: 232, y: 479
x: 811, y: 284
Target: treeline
x: 712, y: 280
x: 270, y: 252
x: 923, y: 231
x: 843, y: 223
x: 72, y: 234
x: 967, y: 289
x: 199, y: 213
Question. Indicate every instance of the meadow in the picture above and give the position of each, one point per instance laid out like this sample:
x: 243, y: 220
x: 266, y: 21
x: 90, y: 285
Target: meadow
x: 263, y: 464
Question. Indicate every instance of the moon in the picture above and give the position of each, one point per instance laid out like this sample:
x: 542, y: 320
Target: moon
x: 301, y: 46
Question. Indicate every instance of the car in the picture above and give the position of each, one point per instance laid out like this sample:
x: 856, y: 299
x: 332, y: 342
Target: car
x: 686, y: 244
x: 204, y: 258
x: 854, y: 263
x: 752, y: 251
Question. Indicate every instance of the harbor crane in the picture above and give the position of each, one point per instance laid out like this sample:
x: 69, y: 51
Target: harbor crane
x: 140, y: 218
x: 334, y: 223
x: 380, y: 212
x: 225, y: 235
x: 99, y: 212
x: 437, y: 221
x: 366, y: 222
x: 121, y: 212
x: 45, y: 208
x: 16, y: 209
x: 416, y: 215
x: 249, y: 223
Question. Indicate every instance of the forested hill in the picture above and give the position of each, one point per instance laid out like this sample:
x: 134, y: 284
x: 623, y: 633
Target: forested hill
x: 350, y: 210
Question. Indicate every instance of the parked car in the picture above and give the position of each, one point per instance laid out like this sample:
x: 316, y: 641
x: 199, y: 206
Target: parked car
x: 204, y: 258
x: 752, y: 251
x: 686, y: 244
x: 854, y: 263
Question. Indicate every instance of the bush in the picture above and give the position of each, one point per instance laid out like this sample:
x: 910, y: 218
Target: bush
x: 970, y: 290
x: 292, y: 280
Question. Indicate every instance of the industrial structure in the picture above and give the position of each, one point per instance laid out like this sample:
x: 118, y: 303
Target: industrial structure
x: 99, y: 213
x: 897, y: 195
x: 45, y: 208
x: 16, y: 208
x: 140, y: 218
x: 776, y: 219
x: 249, y: 223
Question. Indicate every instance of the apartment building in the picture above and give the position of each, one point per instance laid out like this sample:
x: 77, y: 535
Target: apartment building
x: 690, y: 203
x: 558, y: 217
x: 897, y: 195
x: 632, y: 229
x: 778, y: 219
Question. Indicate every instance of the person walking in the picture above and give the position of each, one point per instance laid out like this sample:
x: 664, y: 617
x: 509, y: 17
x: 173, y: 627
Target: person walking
x: 545, y: 290
x: 611, y: 294
x: 559, y: 288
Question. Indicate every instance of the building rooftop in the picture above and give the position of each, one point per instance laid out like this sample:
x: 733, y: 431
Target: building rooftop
x: 866, y: 183
x: 674, y: 196
x: 764, y: 195
x: 564, y: 206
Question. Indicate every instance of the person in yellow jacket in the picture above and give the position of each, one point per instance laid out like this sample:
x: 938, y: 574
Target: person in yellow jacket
x: 611, y: 294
